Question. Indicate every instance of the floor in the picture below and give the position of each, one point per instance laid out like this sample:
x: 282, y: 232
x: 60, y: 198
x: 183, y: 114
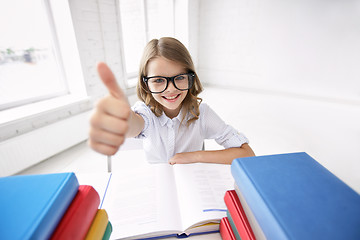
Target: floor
x: 275, y: 123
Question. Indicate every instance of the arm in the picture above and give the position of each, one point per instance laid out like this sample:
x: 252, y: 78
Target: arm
x: 225, y: 156
x: 112, y: 120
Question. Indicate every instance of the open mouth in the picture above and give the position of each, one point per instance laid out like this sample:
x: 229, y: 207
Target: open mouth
x: 171, y: 98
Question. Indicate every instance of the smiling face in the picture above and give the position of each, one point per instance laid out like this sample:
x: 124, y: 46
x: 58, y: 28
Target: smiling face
x: 171, y: 99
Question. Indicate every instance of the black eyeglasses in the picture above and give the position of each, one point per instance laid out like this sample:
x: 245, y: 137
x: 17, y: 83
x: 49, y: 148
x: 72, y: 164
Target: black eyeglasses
x: 159, y: 84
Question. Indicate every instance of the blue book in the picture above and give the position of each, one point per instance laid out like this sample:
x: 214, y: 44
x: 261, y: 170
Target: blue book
x: 292, y: 196
x: 32, y: 205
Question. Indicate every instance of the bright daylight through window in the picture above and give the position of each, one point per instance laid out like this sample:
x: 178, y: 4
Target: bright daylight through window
x: 142, y: 21
x: 29, y: 64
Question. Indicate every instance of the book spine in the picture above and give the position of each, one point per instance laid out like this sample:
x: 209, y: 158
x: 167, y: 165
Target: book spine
x: 98, y: 226
x: 55, y: 210
x: 258, y: 233
x: 225, y: 230
x: 253, y: 196
x: 79, y: 216
x: 238, y: 215
x: 108, y: 231
x: 233, y: 227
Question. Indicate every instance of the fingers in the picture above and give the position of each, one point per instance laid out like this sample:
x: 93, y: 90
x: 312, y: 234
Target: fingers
x: 105, y: 149
x: 109, y: 81
x: 109, y: 124
x: 105, y: 142
x: 111, y: 106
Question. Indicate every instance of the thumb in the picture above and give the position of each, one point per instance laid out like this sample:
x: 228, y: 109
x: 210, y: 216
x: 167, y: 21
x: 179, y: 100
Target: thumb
x: 109, y: 81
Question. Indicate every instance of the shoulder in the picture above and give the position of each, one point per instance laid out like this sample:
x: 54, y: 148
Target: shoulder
x: 203, y: 107
x: 140, y: 107
x: 205, y: 110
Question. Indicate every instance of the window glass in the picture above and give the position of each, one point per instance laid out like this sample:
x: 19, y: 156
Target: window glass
x: 142, y: 21
x: 160, y: 18
x: 133, y: 33
x: 29, y: 68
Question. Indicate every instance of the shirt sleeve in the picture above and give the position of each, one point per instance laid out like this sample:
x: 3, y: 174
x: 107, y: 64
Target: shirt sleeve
x: 215, y: 128
x: 145, y: 112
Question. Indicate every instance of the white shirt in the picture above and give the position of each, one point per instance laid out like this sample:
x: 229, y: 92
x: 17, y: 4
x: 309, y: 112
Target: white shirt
x: 163, y: 137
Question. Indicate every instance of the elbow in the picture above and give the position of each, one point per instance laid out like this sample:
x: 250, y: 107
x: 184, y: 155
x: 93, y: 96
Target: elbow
x: 247, y: 150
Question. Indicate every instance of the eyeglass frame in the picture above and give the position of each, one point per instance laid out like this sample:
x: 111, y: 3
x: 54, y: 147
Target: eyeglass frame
x: 170, y: 79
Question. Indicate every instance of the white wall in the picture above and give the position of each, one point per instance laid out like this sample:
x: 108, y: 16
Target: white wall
x: 304, y: 47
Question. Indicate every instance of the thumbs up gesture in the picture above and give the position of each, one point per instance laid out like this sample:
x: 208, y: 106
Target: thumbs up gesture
x: 111, y: 120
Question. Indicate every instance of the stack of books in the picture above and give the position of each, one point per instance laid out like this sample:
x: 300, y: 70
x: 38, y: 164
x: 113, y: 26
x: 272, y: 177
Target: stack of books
x: 50, y: 206
x: 289, y: 196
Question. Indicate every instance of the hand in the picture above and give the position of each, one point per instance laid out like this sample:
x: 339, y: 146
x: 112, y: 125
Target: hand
x: 109, y: 122
x: 186, y: 157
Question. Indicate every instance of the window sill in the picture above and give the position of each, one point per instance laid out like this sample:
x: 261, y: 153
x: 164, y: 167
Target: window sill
x: 20, y: 120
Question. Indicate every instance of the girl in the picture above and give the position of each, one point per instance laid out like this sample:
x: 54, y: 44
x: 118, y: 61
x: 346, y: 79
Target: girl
x: 170, y: 118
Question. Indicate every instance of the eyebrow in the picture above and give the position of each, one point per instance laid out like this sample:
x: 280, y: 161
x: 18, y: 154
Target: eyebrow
x: 164, y: 76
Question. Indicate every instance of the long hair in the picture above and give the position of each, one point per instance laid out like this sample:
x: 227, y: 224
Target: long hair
x: 171, y: 49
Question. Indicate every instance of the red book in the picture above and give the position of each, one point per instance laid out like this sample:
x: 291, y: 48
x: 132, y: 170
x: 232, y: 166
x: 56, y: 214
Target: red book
x: 78, y: 218
x: 225, y: 229
x: 238, y: 215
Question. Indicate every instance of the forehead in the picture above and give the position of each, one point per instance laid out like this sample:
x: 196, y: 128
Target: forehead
x: 161, y: 66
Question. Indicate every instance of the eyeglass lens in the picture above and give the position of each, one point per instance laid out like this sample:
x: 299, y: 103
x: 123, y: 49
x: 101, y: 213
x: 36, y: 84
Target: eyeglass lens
x: 159, y: 84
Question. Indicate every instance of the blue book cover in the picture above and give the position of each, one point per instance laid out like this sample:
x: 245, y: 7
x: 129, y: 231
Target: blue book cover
x: 292, y: 196
x: 32, y: 205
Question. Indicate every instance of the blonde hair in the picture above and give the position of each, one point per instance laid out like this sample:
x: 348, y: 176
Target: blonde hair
x: 171, y: 49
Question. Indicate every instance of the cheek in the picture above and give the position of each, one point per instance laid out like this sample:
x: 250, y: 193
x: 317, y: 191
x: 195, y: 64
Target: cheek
x: 157, y: 97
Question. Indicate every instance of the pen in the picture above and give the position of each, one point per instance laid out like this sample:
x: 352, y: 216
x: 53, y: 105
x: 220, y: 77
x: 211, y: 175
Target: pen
x: 109, y: 163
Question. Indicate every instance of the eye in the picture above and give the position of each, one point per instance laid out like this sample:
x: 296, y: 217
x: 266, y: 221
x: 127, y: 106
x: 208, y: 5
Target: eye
x: 181, y: 77
x: 156, y: 80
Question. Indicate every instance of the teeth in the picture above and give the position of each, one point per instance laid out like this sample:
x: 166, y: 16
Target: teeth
x: 171, y: 97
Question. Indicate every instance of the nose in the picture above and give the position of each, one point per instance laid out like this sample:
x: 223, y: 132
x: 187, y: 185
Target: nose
x: 170, y: 87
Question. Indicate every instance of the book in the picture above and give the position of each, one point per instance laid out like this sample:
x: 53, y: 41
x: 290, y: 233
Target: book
x: 226, y: 231
x: 76, y: 222
x: 108, y: 231
x: 33, y: 205
x: 238, y: 215
x: 292, y: 196
x: 258, y: 233
x: 163, y: 200
x: 98, y: 226
x: 232, y: 225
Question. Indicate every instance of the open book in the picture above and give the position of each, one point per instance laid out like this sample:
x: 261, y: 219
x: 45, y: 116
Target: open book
x: 161, y: 200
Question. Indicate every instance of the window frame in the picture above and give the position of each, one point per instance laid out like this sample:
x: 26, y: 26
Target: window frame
x: 131, y: 78
x: 24, y: 118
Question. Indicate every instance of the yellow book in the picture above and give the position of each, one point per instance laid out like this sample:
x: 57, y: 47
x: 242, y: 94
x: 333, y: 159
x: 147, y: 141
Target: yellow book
x: 98, y: 226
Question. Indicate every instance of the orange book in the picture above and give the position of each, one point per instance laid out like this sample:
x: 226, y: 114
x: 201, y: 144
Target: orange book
x: 98, y: 226
x: 79, y: 216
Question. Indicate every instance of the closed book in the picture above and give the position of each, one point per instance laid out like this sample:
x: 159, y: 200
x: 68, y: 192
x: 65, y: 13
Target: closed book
x: 292, y: 196
x: 225, y: 230
x: 79, y: 216
x: 258, y: 233
x: 108, y: 231
x: 33, y: 205
x: 238, y: 215
x: 233, y: 227
x: 98, y: 226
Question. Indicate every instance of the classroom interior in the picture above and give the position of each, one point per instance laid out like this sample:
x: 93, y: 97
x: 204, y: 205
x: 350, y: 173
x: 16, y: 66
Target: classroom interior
x: 284, y: 73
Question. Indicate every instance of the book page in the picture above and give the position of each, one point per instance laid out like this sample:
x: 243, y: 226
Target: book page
x: 201, y: 189
x: 142, y: 200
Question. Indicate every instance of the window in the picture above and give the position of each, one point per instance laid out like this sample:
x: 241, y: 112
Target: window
x: 30, y: 65
x: 140, y: 22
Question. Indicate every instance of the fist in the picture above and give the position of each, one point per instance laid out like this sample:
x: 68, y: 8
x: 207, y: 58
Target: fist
x: 109, y: 122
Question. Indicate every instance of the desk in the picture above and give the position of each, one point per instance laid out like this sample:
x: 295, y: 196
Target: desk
x: 86, y: 163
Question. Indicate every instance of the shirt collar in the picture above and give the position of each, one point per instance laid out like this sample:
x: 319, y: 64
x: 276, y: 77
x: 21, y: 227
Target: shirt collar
x: 164, y: 119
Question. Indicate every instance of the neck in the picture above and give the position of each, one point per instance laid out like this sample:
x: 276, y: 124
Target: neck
x: 171, y: 113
